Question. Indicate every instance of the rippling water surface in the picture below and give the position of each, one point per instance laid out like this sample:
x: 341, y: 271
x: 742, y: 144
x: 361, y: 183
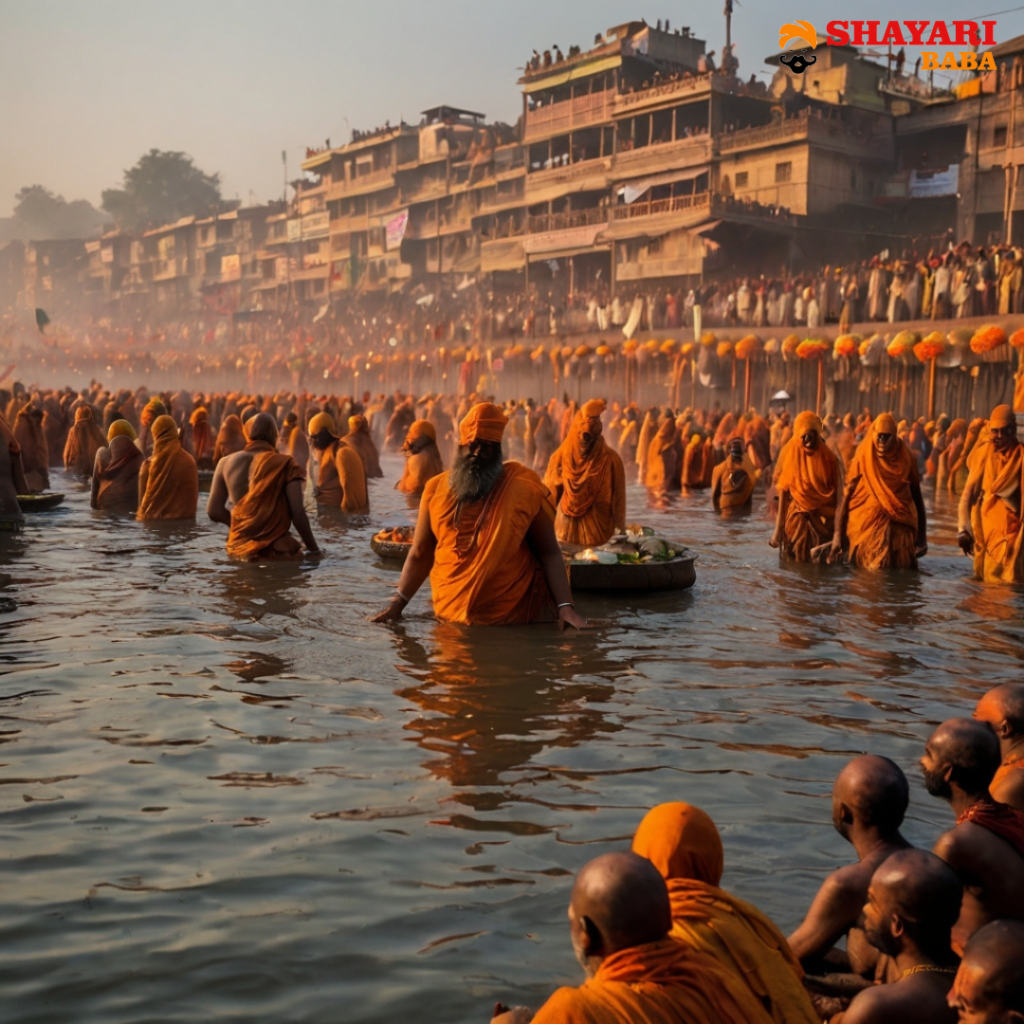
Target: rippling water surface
x: 224, y: 795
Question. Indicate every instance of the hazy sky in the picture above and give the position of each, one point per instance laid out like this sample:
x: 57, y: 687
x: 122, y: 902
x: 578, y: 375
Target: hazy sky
x: 87, y: 86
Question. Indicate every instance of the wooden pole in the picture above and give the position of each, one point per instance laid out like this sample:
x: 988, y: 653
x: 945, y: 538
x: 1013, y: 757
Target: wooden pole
x: 746, y: 386
x: 931, y: 389
x: 821, y: 385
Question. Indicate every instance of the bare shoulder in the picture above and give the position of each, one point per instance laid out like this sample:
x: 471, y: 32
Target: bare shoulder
x: 918, y: 998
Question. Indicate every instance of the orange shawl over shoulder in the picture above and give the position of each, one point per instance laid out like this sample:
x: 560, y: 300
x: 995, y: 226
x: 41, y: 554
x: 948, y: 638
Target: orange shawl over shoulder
x: 810, y: 477
x: 996, y: 518
x: 359, y: 439
x: 230, y: 438
x: 261, y: 521
x: 171, y: 488
x: 682, y: 842
x: 662, y: 458
x: 484, y: 571
x: 84, y: 441
x: 420, y: 467
x: 119, y: 481
x: 202, y: 436
x: 660, y: 982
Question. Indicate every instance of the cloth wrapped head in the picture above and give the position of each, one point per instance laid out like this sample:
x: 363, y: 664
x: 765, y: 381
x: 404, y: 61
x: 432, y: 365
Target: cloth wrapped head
x: 121, y: 428
x: 421, y: 428
x: 164, y: 429
x: 484, y: 422
x: 199, y: 413
x: 807, y: 422
x: 1002, y: 416
x: 358, y: 424
x: 323, y: 421
x: 681, y: 841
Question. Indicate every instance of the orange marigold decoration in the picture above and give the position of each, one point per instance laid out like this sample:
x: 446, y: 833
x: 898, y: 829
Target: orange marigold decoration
x: 724, y: 349
x: 903, y: 343
x: 582, y: 351
x: 629, y: 347
x: 987, y: 338
x: 1017, y: 338
x: 772, y: 346
x: 931, y: 346
x: 603, y: 350
x: 668, y: 346
x: 708, y: 338
x: 812, y: 348
x: 748, y: 347
x: 846, y: 345
x: 790, y: 344
x: 687, y: 348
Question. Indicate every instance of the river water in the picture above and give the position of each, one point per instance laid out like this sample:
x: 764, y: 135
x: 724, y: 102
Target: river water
x: 225, y: 796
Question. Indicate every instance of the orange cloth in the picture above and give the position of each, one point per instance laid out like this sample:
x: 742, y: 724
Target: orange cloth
x: 168, y: 479
x: 663, y: 459
x: 484, y: 422
x: 484, y: 571
x: 261, y: 521
x: 682, y: 842
x: 118, y: 489
x: 660, y: 982
x: 360, y: 441
x: 693, y: 472
x: 882, y: 524
x: 592, y: 507
x: 812, y: 480
x: 732, y: 483
x: 202, y: 437
x: 421, y: 428
x: 230, y: 438
x: 341, y: 481
x: 996, y: 517
x: 84, y: 441
x: 35, y: 456
x: 420, y: 467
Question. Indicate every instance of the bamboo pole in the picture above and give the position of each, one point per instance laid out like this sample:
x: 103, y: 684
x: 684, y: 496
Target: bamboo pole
x: 746, y: 385
x: 821, y: 386
x: 931, y: 389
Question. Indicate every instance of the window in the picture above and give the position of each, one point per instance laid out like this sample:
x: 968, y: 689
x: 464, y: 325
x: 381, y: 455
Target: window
x: 999, y: 135
x: 783, y: 172
x: 741, y: 179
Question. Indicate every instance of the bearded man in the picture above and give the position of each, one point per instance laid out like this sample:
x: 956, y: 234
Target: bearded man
x: 588, y: 482
x: 990, y: 506
x: 486, y: 538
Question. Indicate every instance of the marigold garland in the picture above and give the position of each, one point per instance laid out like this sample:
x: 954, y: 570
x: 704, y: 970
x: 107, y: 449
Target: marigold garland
x: 987, y: 338
x: 1017, y: 338
x: 748, y: 347
x: 812, y: 348
x: 930, y: 347
x: 790, y: 344
x: 846, y: 345
x: 724, y: 349
x: 903, y: 342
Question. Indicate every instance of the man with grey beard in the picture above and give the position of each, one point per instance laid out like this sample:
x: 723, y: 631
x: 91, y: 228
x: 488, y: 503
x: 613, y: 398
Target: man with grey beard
x: 486, y: 538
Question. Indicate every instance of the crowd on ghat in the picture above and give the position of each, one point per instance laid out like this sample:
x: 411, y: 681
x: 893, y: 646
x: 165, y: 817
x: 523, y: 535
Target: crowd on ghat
x: 928, y: 936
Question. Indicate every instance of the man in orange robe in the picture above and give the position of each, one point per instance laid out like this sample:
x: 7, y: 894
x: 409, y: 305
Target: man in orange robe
x: 360, y: 439
x: 733, y: 481
x: 35, y: 458
x: 587, y: 482
x: 683, y: 843
x: 990, y: 507
x: 809, y: 481
x: 202, y: 437
x: 663, y: 464
x: 422, y: 459
x: 168, y: 479
x: 1003, y: 709
x: 341, y: 479
x: 485, y: 537
x: 84, y: 441
x: 260, y: 521
x: 881, y: 518
x: 115, y: 477
x: 619, y: 921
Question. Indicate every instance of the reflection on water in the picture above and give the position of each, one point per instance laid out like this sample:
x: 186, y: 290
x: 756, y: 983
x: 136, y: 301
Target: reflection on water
x: 224, y: 794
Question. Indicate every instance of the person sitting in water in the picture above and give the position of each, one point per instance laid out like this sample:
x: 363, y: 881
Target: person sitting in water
x: 12, y: 480
x: 360, y: 440
x: 115, y: 476
x: 341, y: 480
x: 986, y: 846
x: 265, y: 488
x: 35, y: 455
x: 486, y: 539
x: 168, y: 479
x: 683, y: 843
x: 809, y: 481
x: 422, y: 460
x: 587, y: 482
x: 619, y: 923
x: 84, y: 441
x: 202, y: 437
x: 881, y: 517
x: 733, y: 481
x: 989, y: 985
x: 1003, y: 709
x: 869, y: 800
x: 913, y: 902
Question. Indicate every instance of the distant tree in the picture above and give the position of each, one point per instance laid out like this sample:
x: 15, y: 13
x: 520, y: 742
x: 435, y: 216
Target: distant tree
x: 162, y: 187
x: 40, y: 215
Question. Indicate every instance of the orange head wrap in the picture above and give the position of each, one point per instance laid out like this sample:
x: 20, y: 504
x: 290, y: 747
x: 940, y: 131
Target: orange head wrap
x: 594, y: 408
x: 121, y: 428
x: 164, y: 428
x: 198, y: 414
x: 484, y: 422
x: 885, y: 424
x: 681, y: 841
x: 421, y: 428
x: 323, y: 421
x: 805, y: 423
x: 357, y: 424
x: 1002, y: 416
x: 83, y: 412
x: 154, y: 408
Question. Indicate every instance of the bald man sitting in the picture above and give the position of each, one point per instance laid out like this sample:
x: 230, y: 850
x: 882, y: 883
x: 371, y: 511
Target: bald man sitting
x: 869, y: 800
x: 913, y: 903
x: 619, y: 920
x: 989, y: 987
x: 1003, y: 709
x: 986, y: 846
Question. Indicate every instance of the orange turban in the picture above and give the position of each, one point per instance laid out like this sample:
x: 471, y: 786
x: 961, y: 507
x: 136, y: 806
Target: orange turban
x: 681, y: 841
x: 357, y: 424
x: 484, y: 422
x: 1002, y: 416
x: 421, y: 428
x: 805, y: 423
x: 321, y: 421
x: 121, y: 428
x: 594, y: 408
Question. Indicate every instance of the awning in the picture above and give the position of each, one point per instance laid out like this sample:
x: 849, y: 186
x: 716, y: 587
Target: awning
x: 633, y: 190
x: 561, y: 254
x: 573, y: 74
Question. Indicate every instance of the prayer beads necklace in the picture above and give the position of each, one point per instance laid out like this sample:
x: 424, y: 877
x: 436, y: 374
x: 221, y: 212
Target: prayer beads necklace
x: 927, y: 969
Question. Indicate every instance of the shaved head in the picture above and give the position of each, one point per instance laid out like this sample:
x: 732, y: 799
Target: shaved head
x: 969, y: 749
x: 990, y: 983
x: 263, y: 427
x: 1003, y: 704
x: 875, y: 790
x: 619, y: 900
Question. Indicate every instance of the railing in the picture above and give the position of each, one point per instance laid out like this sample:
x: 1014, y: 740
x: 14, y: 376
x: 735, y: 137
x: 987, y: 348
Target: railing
x: 793, y: 127
x: 568, y: 219
x: 731, y: 206
x: 692, y: 83
x: 655, y: 207
x: 568, y: 172
x: 575, y: 113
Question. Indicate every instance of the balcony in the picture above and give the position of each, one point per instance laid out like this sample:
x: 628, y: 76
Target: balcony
x: 372, y: 182
x: 568, y: 219
x: 165, y: 270
x: 663, y: 92
x: 834, y: 133
x: 662, y: 155
x: 580, y: 112
x: 597, y: 170
x: 658, y: 207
